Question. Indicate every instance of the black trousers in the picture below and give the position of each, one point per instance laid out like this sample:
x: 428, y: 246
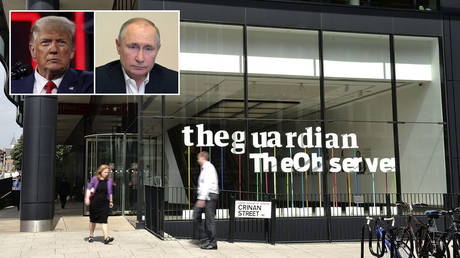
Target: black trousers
x: 210, y: 211
x: 16, y: 198
x: 63, y: 199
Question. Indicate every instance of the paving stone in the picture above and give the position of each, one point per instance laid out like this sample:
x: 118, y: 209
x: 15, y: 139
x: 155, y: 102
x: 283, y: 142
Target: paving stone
x: 140, y: 243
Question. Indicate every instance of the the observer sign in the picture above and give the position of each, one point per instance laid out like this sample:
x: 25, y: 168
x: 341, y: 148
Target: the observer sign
x: 309, y: 139
x: 248, y: 209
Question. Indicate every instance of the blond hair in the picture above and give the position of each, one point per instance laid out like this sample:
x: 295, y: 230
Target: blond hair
x: 99, y: 172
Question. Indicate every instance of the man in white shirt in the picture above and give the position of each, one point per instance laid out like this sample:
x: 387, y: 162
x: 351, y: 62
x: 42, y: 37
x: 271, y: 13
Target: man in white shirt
x: 208, y: 194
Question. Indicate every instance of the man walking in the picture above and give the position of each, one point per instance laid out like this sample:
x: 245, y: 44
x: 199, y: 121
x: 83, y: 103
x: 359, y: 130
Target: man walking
x: 64, y: 191
x: 208, y: 194
x: 17, y: 192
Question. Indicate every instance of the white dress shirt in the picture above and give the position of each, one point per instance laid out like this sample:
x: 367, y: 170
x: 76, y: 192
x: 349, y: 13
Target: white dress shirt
x: 131, y: 85
x: 40, y: 82
x: 207, y: 182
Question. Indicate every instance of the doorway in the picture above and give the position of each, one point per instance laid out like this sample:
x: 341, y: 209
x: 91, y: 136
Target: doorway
x: 119, y: 151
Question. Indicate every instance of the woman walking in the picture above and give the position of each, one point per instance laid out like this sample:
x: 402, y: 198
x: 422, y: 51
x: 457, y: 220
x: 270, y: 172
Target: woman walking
x: 99, y: 199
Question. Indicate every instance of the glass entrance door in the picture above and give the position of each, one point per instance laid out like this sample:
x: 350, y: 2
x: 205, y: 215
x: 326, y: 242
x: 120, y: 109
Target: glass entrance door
x: 119, y: 151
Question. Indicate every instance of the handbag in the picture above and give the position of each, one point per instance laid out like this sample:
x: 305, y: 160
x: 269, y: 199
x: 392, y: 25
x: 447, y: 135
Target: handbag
x: 90, y: 197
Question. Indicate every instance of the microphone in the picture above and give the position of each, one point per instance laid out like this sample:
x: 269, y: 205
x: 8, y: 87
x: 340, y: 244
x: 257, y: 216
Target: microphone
x: 21, y: 70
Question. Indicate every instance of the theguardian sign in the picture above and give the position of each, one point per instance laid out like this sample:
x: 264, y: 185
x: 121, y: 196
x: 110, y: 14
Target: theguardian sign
x: 301, y: 161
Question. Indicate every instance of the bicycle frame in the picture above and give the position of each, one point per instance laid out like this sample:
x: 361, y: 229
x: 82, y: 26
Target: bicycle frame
x: 411, y: 230
x: 389, y: 242
x: 452, y: 233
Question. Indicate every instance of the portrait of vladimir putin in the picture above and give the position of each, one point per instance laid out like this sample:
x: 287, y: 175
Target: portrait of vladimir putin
x: 138, y: 44
x: 52, y: 47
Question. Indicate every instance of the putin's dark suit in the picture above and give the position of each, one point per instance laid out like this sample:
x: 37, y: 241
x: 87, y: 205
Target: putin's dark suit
x: 110, y: 79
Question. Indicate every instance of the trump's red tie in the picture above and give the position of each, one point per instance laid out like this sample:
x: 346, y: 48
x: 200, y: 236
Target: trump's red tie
x: 49, y: 87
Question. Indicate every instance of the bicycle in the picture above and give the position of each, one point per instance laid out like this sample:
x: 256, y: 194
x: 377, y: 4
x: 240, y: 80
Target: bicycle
x: 433, y: 241
x: 387, y: 239
x: 407, y: 233
x: 453, y: 234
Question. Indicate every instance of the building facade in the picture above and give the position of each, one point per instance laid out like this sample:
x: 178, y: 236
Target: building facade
x: 389, y: 75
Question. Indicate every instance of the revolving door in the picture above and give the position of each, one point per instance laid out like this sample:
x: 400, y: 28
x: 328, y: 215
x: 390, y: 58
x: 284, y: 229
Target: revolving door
x: 119, y: 151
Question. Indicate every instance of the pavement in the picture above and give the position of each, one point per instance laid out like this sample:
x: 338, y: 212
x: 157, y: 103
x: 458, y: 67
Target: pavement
x: 140, y: 243
x: 69, y: 239
x: 69, y: 219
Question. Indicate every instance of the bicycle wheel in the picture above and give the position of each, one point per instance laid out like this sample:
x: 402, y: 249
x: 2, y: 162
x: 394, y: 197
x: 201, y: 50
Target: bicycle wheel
x: 441, y: 247
x: 405, y: 239
x: 404, y: 242
x: 435, y: 245
x: 424, y: 239
x: 456, y: 245
x: 379, y: 242
x: 404, y: 251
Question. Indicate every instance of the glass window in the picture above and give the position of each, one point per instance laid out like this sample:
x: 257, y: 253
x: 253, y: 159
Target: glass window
x: 284, y: 96
x: 374, y: 140
x: 422, y: 158
x: 357, y: 77
x: 152, y: 141
x: 375, y: 146
x: 182, y: 170
x: 419, y: 95
x: 283, y: 73
x: 211, y: 59
x: 293, y: 189
x: 418, y: 78
x: 151, y: 105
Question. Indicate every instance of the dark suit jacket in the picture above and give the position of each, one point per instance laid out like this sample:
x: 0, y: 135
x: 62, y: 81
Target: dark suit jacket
x: 110, y: 79
x: 74, y: 82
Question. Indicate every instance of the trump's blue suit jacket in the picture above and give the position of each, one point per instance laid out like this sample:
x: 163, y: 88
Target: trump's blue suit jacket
x: 74, y: 82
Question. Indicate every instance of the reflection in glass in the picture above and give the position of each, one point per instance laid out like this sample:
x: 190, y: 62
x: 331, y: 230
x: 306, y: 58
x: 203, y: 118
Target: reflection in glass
x: 283, y: 71
x: 211, y: 69
x: 422, y: 156
x: 418, y: 77
x: 375, y: 140
x: 357, y: 77
x: 119, y: 151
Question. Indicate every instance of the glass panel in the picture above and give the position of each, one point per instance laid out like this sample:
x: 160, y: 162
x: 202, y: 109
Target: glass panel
x: 357, y: 77
x: 152, y: 144
x: 362, y: 190
x: 152, y: 151
x: 422, y: 156
x: 211, y: 69
x: 419, y: 79
x: 182, y: 170
x: 151, y: 105
x: 131, y: 175
x: 117, y: 166
x: 283, y: 73
x: 108, y: 149
x: 374, y: 140
x: 293, y: 189
x: 403, y: 4
x: 113, y: 114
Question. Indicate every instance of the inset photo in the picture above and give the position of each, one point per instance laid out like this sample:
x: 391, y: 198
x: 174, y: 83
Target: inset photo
x: 137, y: 52
x: 51, y: 52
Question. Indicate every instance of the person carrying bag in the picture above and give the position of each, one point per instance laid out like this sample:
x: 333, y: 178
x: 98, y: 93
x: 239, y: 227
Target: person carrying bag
x: 99, y: 198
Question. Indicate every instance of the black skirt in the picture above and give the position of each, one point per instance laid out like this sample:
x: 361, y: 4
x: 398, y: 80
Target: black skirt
x: 99, y: 207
